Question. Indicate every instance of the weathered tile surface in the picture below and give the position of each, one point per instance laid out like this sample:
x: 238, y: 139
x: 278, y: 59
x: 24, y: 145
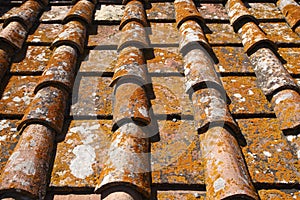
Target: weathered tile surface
x: 222, y: 34
x: 163, y: 34
x: 45, y: 33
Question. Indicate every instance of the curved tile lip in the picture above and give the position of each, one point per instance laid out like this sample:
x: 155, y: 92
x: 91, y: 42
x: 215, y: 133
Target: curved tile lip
x: 74, y: 17
x: 134, y: 43
x: 123, y: 23
x: 102, y: 188
x: 128, y: 79
x: 146, y: 3
x: 208, y: 84
x: 52, y: 83
x: 137, y: 120
x: 8, y: 45
x: 195, y: 45
x: 16, y: 19
x: 73, y: 44
x: 284, y: 87
x: 15, y: 193
x: 240, y: 21
x: 264, y: 43
x: 24, y: 123
x: 232, y: 128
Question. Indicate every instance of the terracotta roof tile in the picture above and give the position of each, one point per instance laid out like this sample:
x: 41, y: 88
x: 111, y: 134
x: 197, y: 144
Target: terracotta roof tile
x: 151, y: 56
x: 291, y: 10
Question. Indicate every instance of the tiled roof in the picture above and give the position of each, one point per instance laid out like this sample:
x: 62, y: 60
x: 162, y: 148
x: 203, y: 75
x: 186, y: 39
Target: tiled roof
x: 149, y: 99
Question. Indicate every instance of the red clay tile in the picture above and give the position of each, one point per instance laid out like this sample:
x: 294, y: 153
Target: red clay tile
x: 239, y: 14
x: 211, y: 110
x: 35, y: 60
x: 262, y: 10
x: 56, y: 13
x: 269, y: 157
x: 134, y: 34
x: 286, y: 105
x: 130, y: 66
x: 213, y: 11
x: 254, y: 38
x: 291, y: 55
x: 47, y: 108
x: 83, y: 11
x: 92, y: 96
x: 17, y: 95
x: 226, y: 174
x: 4, y: 63
x: 45, y: 33
x: 99, y: 61
x: 164, y: 33
x: 26, y: 172
x: 105, y: 35
x: 73, y: 34
x: 186, y: 10
x: 134, y: 11
x: 192, y: 36
x: 200, y: 73
x: 13, y: 35
x: 170, y: 96
x: 82, y: 154
x: 26, y: 14
x: 60, y: 71
x: 246, y: 97
x: 130, y: 104
x: 290, y: 10
x: 128, y: 161
x: 280, y: 32
x: 235, y: 60
x: 165, y: 60
x: 176, y: 158
x: 161, y: 11
x: 9, y: 137
x: 222, y: 34
x: 271, y: 75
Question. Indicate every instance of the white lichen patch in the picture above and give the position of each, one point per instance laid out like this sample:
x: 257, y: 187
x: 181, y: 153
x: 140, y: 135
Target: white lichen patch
x: 219, y: 184
x: 266, y: 153
x: 4, y: 124
x: 81, y: 166
x: 143, y: 111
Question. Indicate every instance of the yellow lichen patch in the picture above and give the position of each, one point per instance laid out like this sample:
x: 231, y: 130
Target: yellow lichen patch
x: 180, y: 195
x: 163, y: 33
x: 222, y: 34
x: 291, y: 55
x: 268, y: 156
x: 45, y: 33
x: 277, y: 195
x: 176, y: 157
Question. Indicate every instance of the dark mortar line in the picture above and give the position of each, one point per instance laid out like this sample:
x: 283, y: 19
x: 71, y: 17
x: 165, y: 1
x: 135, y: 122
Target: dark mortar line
x: 102, y: 47
x: 106, y: 22
x: 25, y: 73
x: 51, y: 22
x: 70, y: 190
x: 226, y: 45
x: 216, y: 21
x: 165, y: 74
x: 155, y: 45
x: 61, y: 3
x: 171, y: 117
x: 96, y: 74
x: 11, y: 116
x: 162, y: 20
x: 38, y: 43
x: 295, y: 75
x: 279, y: 186
x: 252, y: 115
x: 274, y: 20
x: 288, y: 45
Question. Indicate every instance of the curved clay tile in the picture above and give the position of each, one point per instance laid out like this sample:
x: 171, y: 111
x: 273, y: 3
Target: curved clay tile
x: 239, y: 14
x: 192, y: 36
x: 133, y: 34
x: 25, y: 174
x: 60, y: 71
x: 226, y: 175
x: 186, y: 10
x: 211, y: 110
x: 83, y: 11
x: 146, y: 3
x: 26, y: 14
x: 128, y: 163
x: 73, y: 34
x: 47, y: 108
x: 200, y: 73
x: 130, y: 65
x: 271, y: 74
x: 130, y: 105
x: 254, y: 38
x: 286, y: 104
x: 134, y: 11
x: 290, y: 10
x: 14, y: 35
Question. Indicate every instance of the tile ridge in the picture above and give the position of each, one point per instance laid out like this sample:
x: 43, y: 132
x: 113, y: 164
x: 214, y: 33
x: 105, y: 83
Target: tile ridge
x: 271, y: 75
x: 126, y: 172
x: 291, y: 10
